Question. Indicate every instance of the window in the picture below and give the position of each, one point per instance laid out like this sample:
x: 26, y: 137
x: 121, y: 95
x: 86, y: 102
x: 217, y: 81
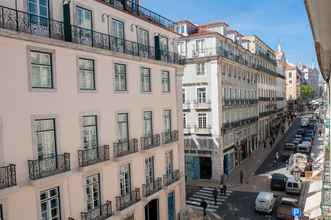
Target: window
x: 86, y: 74
x: 149, y: 170
x: 143, y: 37
x: 181, y: 48
x: 169, y: 163
x: 50, y: 204
x: 84, y: 18
x: 125, y: 180
x: 201, y: 94
x: 39, y: 11
x: 46, y: 137
x: 92, y: 189
x: 148, y: 123
x: 146, y: 83
x: 184, y: 120
x: 165, y: 78
x: 167, y: 120
x: 199, y: 45
x: 90, y: 131
x: 200, y: 68
x: 118, y: 33
x: 42, y: 73
x: 202, y: 120
x: 164, y: 45
x: 1, y: 212
x: 123, y: 125
x: 120, y: 77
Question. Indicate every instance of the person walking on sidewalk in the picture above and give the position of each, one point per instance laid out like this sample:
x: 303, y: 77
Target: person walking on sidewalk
x: 215, y: 193
x: 241, y: 176
x: 204, y: 206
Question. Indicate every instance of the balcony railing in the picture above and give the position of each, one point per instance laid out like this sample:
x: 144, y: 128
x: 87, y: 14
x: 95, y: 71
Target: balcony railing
x: 203, y: 130
x: 99, y: 213
x: 125, y: 147
x: 125, y: 201
x: 91, y: 156
x: 7, y: 176
x: 153, y: 187
x: 202, y: 104
x: 171, y: 177
x: 150, y: 141
x: 141, y: 12
x: 49, y: 166
x: 41, y: 26
x: 169, y: 136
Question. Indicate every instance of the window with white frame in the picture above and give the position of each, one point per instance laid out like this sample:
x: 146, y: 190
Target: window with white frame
x: 149, y: 170
x: 146, y: 82
x: 201, y: 95
x: 90, y: 131
x: 83, y: 17
x: 169, y: 162
x: 50, y: 204
x: 38, y: 12
x: 167, y: 120
x: 42, y: 70
x: 148, y: 123
x: 46, y: 137
x: 86, y: 74
x: 120, y: 77
x: 92, y: 190
x: 200, y: 69
x: 123, y: 126
x: 181, y: 48
x: 125, y: 180
x: 199, y: 45
x: 202, y: 120
x: 165, y: 79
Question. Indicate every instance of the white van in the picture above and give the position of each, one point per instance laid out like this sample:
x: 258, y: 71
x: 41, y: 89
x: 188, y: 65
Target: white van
x: 265, y: 202
x: 293, y: 185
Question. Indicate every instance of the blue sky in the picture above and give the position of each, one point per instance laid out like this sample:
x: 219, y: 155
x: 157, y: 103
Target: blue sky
x: 274, y: 21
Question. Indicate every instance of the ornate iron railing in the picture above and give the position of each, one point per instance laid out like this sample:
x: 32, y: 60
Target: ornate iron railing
x: 150, y: 141
x: 125, y: 201
x: 141, y: 12
x: 125, y: 147
x: 153, y: 187
x: 169, y: 136
x: 49, y: 166
x: 99, y: 213
x: 91, y: 156
x: 7, y: 176
x: 171, y: 177
x: 37, y: 25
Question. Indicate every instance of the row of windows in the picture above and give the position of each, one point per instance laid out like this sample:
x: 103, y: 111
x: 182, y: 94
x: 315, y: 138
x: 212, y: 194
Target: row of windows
x: 238, y: 73
x: 238, y: 114
x: 50, y: 199
x: 43, y: 77
x: 238, y: 93
x: 45, y: 131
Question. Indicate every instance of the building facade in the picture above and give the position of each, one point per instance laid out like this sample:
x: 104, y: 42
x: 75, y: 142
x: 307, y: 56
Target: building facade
x: 90, y: 123
x: 311, y: 77
x: 229, y: 94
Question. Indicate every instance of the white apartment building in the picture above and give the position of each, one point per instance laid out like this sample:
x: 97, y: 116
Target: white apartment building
x: 293, y: 82
x: 219, y: 99
x: 90, y: 117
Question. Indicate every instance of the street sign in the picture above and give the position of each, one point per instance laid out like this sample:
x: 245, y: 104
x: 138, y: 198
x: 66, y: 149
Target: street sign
x: 296, y: 212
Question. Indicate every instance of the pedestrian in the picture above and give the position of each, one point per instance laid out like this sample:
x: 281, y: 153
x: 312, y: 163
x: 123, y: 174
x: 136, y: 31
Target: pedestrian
x: 204, y: 206
x: 215, y: 193
x: 241, y: 176
x: 320, y: 131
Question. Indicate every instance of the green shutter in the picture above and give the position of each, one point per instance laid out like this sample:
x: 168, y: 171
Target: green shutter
x: 66, y: 22
x: 157, y: 48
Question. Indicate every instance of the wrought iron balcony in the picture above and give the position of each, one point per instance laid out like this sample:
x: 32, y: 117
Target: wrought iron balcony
x: 171, y: 177
x: 153, y: 187
x: 141, y: 12
x: 91, y: 156
x: 99, y: 213
x: 7, y: 176
x: 125, y: 147
x: 21, y: 21
x: 125, y: 201
x: 48, y: 166
x: 169, y: 136
x: 150, y: 141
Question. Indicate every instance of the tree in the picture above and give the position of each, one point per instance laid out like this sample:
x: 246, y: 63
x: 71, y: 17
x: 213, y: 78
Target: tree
x: 307, y: 91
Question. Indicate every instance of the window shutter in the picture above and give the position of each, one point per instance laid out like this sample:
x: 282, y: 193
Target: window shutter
x: 157, y: 48
x: 66, y: 22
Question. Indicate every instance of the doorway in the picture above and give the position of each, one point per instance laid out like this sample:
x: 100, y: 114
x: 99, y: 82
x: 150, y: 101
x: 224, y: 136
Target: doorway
x: 152, y: 210
x: 205, y: 168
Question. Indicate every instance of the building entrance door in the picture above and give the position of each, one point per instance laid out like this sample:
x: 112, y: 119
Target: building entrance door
x: 205, y: 168
x: 152, y: 210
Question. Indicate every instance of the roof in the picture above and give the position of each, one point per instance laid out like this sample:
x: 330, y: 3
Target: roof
x: 214, y: 24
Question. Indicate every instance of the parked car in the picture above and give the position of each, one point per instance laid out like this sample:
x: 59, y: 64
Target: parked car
x: 293, y: 185
x: 278, y: 181
x: 289, y: 146
x: 284, y: 209
x: 265, y: 202
x: 297, y: 163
